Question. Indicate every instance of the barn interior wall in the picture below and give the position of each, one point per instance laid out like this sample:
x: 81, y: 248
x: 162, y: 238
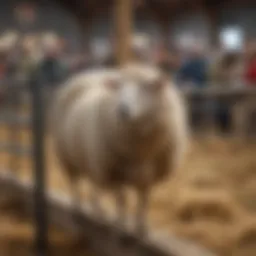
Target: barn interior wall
x: 196, y: 23
x: 52, y: 17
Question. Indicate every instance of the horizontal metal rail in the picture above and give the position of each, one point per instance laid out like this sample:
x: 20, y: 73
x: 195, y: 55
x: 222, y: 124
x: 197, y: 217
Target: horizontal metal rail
x: 220, y: 92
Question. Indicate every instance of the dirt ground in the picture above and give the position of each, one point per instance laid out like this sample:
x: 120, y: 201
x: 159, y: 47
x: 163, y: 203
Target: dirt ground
x: 211, y: 199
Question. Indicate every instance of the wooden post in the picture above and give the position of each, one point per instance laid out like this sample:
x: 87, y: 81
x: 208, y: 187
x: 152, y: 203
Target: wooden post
x: 123, y: 30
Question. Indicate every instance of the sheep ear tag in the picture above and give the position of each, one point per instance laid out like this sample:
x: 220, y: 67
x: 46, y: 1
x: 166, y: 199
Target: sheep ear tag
x: 113, y: 84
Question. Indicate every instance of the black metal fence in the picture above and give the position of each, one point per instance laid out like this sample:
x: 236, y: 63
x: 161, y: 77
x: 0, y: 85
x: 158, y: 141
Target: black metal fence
x: 22, y: 106
x: 38, y: 126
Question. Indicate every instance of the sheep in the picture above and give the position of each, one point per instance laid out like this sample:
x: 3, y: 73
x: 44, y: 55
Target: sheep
x: 154, y: 132
x: 128, y: 130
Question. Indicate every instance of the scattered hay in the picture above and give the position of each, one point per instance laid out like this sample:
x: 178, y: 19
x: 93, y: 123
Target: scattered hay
x: 207, y: 179
x: 217, y: 207
x: 214, y: 236
x: 245, y: 242
x: 246, y: 196
x: 212, y: 194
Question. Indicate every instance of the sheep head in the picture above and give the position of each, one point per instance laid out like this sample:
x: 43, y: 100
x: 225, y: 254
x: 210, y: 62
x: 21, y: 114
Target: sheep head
x: 140, y: 94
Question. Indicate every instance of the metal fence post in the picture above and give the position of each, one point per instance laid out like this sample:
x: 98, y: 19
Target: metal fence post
x: 14, y: 102
x: 40, y: 207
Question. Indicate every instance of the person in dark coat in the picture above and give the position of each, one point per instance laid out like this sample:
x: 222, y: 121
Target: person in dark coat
x: 194, y: 70
x: 53, y: 68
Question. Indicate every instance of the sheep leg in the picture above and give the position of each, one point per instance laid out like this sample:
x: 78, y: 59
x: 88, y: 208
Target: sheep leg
x: 141, y: 220
x: 95, y: 201
x: 121, y: 207
x: 76, y: 201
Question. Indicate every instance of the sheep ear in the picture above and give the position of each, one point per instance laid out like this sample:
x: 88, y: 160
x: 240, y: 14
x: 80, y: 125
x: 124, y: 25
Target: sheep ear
x: 113, y: 84
x: 162, y: 81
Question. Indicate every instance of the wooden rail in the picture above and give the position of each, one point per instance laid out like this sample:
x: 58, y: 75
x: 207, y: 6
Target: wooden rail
x: 101, y: 234
x: 220, y: 92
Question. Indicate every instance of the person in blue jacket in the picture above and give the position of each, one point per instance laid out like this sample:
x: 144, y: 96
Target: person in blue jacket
x: 194, y: 69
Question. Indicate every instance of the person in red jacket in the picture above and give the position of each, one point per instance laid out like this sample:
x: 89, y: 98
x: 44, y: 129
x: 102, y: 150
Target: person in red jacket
x: 250, y: 72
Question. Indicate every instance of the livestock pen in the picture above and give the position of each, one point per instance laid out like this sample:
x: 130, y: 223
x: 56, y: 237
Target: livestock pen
x: 210, y: 202
x: 206, y: 202
x: 57, y: 207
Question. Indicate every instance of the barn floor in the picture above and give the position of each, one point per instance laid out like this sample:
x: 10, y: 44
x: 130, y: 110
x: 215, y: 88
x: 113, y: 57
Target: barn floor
x: 211, y: 200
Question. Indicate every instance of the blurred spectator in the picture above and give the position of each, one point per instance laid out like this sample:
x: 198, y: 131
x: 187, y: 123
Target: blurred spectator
x: 193, y: 70
x: 29, y: 57
x: 52, y: 66
x: 227, y: 70
x: 7, y: 44
x: 250, y: 72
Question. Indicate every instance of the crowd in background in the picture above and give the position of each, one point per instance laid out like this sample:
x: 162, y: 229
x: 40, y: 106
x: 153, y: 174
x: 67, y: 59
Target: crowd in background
x: 200, y: 68
x: 50, y: 56
x: 193, y: 67
x: 21, y: 55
